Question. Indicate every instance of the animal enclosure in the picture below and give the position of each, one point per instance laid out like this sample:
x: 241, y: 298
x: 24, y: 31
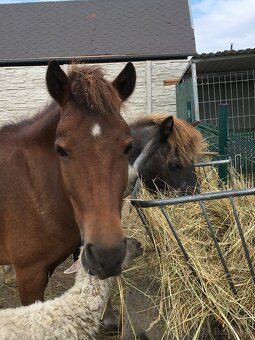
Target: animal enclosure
x: 223, y: 79
x: 219, y: 78
x: 235, y: 88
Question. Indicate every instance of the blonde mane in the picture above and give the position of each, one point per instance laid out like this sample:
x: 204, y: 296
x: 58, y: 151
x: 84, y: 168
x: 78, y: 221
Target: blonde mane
x: 186, y: 142
x: 90, y: 88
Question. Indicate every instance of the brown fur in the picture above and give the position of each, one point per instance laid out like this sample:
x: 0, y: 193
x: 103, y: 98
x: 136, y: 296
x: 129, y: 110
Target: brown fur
x: 49, y: 199
x: 186, y: 142
x: 89, y: 87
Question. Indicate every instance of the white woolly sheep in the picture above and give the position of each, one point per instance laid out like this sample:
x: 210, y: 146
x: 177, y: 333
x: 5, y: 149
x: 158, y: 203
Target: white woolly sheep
x: 74, y: 315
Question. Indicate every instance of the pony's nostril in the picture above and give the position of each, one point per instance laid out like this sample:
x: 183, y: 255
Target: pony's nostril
x: 105, y: 261
x: 89, y: 250
x: 93, y: 254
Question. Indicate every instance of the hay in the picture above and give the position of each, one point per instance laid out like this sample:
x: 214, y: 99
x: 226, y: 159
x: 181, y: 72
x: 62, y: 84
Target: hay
x: 207, y: 307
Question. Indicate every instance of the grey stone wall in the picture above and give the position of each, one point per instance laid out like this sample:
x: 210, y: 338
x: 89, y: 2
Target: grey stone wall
x: 23, y: 91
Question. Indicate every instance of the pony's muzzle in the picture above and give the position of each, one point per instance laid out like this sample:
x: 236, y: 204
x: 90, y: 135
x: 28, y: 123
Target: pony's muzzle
x: 104, y: 261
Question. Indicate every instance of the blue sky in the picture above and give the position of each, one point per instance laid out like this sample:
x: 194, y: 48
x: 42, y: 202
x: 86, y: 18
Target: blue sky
x: 217, y: 23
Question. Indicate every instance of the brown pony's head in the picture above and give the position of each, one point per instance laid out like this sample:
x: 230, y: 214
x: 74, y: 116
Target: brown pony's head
x: 164, y: 150
x: 92, y: 143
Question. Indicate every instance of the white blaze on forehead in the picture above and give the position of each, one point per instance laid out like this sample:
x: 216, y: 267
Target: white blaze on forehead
x: 96, y: 130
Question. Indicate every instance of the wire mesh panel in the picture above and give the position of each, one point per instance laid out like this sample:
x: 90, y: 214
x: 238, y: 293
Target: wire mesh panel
x: 211, y: 136
x: 241, y: 148
x: 185, y: 100
x: 236, y: 89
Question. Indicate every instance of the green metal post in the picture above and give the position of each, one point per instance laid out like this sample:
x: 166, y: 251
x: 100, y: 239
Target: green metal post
x: 223, y: 140
x: 189, y: 117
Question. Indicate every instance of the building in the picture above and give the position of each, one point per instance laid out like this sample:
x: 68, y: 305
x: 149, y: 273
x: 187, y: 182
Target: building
x: 215, y: 78
x: 156, y: 35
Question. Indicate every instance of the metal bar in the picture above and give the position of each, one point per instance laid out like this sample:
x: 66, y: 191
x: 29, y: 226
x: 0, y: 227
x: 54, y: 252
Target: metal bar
x: 195, y: 91
x: 231, y: 99
x: 223, y: 139
x: 253, y: 78
x: 210, y: 163
x: 237, y: 106
x: 146, y: 226
x: 141, y: 214
x: 249, y: 103
x: 136, y: 189
x: 219, y: 86
x: 185, y: 254
x: 223, y: 262
x: 246, y: 251
x: 205, y: 175
x: 214, y: 97
x: 242, y: 103
x: 207, y: 196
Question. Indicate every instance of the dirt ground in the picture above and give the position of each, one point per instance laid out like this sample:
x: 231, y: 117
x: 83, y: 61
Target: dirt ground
x: 60, y: 282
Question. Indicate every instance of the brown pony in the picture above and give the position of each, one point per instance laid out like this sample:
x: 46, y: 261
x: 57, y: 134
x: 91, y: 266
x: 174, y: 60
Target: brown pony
x: 62, y: 175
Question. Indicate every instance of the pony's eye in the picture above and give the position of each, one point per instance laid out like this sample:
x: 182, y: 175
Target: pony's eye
x: 128, y: 148
x: 174, y: 166
x: 60, y: 151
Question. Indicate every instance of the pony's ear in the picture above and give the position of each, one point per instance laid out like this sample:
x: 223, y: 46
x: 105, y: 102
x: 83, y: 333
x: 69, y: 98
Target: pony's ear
x: 58, y: 83
x: 125, y: 81
x: 166, y: 128
x: 74, y: 268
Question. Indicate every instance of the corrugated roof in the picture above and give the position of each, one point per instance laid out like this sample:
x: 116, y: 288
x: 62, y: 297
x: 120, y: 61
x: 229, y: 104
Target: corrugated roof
x: 223, y: 62
x: 71, y: 29
x: 226, y: 53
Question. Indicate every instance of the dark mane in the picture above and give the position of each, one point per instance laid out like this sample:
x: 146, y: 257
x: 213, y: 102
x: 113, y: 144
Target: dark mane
x: 186, y: 142
x: 90, y: 88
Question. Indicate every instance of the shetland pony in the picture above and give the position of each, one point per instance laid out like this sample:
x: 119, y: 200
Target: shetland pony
x: 163, y: 153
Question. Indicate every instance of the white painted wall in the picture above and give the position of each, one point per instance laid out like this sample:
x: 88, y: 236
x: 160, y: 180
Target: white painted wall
x: 23, y: 90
